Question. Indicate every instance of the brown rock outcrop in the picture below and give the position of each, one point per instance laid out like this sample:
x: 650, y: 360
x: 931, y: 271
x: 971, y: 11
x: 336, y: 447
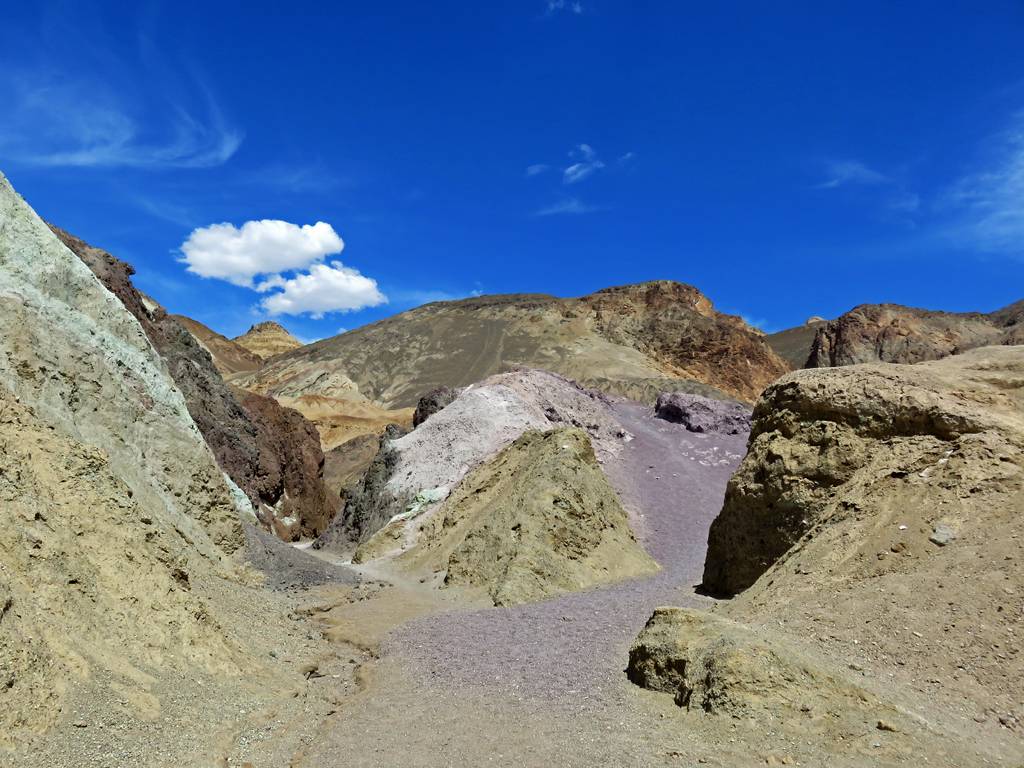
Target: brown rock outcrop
x: 896, y: 334
x: 820, y: 436
x: 290, y: 475
x: 228, y: 357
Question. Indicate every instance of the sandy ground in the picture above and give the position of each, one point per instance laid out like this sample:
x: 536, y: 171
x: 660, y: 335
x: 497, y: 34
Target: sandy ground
x: 542, y: 683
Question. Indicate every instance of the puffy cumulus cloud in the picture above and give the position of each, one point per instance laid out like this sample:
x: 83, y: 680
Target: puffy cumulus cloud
x: 324, y: 288
x: 267, y: 247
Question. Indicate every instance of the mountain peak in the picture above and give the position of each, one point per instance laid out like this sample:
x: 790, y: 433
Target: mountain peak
x: 268, y: 339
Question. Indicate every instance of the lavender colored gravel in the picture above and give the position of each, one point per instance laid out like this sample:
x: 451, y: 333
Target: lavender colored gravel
x: 572, y: 649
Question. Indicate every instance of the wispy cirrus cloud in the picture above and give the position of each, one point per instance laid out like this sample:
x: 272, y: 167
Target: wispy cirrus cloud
x: 56, y: 120
x: 585, y: 163
x: 557, y: 6
x: 571, y: 205
x: 841, y: 173
x: 988, y: 204
x: 537, y: 169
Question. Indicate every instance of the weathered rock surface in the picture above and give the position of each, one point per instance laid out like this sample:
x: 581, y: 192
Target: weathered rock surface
x: 536, y: 520
x: 114, y: 509
x: 895, y: 334
x: 703, y: 414
x: 819, y: 436
x: 368, y: 506
x: 633, y: 341
x: 716, y: 666
x: 271, y: 453
x: 481, y: 421
x: 877, y: 518
x: 267, y: 339
x: 290, y: 483
x: 432, y: 402
x: 229, y: 357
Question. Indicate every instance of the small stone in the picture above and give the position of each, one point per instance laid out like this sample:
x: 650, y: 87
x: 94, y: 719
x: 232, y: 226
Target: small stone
x: 942, y: 535
x: 885, y: 725
x: 80, y: 724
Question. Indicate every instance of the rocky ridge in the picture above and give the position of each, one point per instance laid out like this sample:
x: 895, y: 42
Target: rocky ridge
x: 634, y: 341
x: 115, y: 506
x: 268, y: 451
x: 896, y: 334
x: 228, y: 357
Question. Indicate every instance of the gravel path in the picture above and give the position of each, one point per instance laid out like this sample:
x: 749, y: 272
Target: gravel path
x: 573, y: 648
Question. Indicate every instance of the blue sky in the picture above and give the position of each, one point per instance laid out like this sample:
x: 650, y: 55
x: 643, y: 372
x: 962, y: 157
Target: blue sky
x: 788, y: 159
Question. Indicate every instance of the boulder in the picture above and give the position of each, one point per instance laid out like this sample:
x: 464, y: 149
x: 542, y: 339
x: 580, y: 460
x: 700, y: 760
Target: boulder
x: 703, y: 414
x: 715, y: 666
x: 432, y: 402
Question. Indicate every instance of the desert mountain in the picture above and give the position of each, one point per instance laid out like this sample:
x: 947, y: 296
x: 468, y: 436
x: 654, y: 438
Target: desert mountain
x: 636, y: 340
x: 876, y: 519
x: 794, y: 344
x: 228, y: 356
x: 267, y: 339
x: 270, y: 452
x: 895, y: 334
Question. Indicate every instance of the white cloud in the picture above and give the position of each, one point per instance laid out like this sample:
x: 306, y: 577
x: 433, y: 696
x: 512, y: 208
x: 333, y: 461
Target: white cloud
x: 992, y: 201
x: 536, y: 169
x: 266, y: 247
x: 325, y: 288
x: 573, y: 6
x: 67, y: 122
x: 586, y: 164
x: 569, y: 205
x: 843, y: 172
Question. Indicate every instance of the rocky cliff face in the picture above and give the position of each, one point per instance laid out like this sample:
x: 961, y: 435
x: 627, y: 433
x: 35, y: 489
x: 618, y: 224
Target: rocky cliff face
x: 267, y: 340
x: 289, y: 480
x: 821, y: 439
x: 873, y: 536
x: 895, y: 334
x: 115, y: 512
x: 634, y: 341
x: 273, y: 456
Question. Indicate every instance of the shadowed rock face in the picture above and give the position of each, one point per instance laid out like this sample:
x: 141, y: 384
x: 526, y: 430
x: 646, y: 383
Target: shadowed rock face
x: 703, y: 414
x: 431, y: 403
x: 228, y: 357
x: 290, y: 476
x: 268, y: 452
x: 896, y: 334
x: 634, y: 341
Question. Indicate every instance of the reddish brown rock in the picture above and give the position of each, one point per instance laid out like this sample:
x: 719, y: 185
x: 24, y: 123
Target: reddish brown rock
x: 891, y: 333
x: 244, y: 441
x: 290, y: 473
